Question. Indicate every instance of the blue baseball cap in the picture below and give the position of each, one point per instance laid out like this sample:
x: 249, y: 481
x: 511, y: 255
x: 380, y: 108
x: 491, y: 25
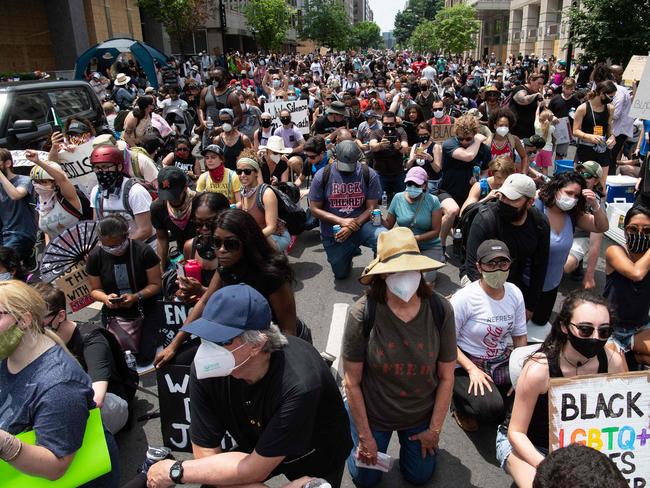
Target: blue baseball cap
x: 230, y: 312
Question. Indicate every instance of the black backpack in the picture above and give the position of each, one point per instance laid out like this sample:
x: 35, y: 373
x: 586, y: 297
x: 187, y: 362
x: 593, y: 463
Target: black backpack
x: 86, y: 210
x: 370, y: 310
x: 291, y: 213
x: 118, y: 123
x: 466, y: 219
x: 126, y: 377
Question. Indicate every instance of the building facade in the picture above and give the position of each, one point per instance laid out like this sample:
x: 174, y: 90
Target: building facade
x: 362, y: 11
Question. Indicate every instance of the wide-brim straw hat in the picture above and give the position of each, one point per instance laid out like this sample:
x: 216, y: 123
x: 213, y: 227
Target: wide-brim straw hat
x: 397, y: 251
x: 276, y: 145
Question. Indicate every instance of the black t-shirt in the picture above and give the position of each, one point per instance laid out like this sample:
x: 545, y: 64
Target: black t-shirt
x: 389, y: 162
x: 561, y: 107
x: 456, y: 174
x: 324, y: 126
x: 186, y: 165
x: 525, y: 126
x: 295, y: 411
x: 584, y: 73
x: 280, y: 168
x: 519, y: 73
x: 117, y: 276
x: 469, y: 91
x: 161, y: 221
x: 262, y: 282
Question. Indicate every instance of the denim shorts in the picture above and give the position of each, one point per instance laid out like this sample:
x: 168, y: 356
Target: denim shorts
x: 624, y: 338
x: 504, y: 448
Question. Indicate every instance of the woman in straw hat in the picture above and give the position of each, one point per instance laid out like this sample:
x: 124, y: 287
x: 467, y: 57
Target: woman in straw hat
x: 399, y: 353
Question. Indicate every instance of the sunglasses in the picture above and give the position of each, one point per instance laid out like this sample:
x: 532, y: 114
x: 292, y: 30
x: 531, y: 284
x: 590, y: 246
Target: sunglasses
x: 199, y: 224
x: 311, y: 156
x: 182, y: 149
x: 587, y: 176
x: 230, y: 244
x: 246, y: 171
x: 635, y: 229
x: 466, y: 139
x: 586, y: 330
x: 501, y: 265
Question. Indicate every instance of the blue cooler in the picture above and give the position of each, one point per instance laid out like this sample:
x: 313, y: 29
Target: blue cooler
x: 563, y: 166
x: 620, y: 188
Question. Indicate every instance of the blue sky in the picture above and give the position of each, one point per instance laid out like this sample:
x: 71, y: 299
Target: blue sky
x: 384, y: 11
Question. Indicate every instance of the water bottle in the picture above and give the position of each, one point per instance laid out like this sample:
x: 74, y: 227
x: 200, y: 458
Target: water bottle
x: 155, y: 454
x: 572, y: 112
x: 130, y: 360
x: 384, y: 201
x: 476, y: 172
x: 209, y: 125
x: 458, y: 241
x: 317, y: 483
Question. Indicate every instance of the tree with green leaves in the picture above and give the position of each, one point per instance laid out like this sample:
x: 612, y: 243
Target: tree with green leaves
x: 614, y: 29
x: 270, y: 20
x: 425, y: 37
x: 180, y: 18
x: 326, y: 22
x: 366, y: 35
x: 416, y: 11
x: 456, y: 28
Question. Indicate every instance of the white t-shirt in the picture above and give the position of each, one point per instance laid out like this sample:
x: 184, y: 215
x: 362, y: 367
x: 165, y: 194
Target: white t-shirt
x: 430, y: 73
x: 484, y: 324
x: 139, y: 200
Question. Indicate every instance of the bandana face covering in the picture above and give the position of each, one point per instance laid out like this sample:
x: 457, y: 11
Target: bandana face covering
x: 116, y: 250
x: 109, y: 180
x: 46, y: 197
x: 217, y: 173
x: 180, y: 215
x: 637, y: 242
x: 9, y: 341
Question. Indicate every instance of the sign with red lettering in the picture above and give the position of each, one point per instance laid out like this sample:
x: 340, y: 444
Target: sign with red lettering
x: 74, y: 284
x: 607, y: 412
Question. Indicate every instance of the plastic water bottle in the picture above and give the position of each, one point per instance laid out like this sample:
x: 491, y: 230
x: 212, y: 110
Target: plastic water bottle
x: 130, y: 360
x: 458, y: 241
x: 155, y: 454
x: 384, y: 201
x: 317, y: 483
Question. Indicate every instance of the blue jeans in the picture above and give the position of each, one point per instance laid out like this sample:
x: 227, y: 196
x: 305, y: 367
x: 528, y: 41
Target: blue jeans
x: 21, y: 243
x: 415, y: 470
x: 392, y: 184
x: 339, y: 254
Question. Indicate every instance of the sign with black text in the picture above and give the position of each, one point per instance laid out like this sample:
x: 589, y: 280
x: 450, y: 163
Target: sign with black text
x: 76, y: 164
x: 607, y: 412
x: 441, y: 132
x: 170, y: 316
x: 174, y: 399
x: 74, y: 284
x: 299, y: 113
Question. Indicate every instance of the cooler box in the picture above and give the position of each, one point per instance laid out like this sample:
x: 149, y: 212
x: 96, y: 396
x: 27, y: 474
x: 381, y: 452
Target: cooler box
x: 620, y: 188
x: 615, y: 215
x: 563, y: 166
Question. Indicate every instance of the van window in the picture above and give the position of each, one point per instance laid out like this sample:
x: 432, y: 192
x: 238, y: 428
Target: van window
x: 29, y: 106
x: 71, y: 101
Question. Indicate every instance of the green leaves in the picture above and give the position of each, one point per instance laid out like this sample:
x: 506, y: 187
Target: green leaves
x: 327, y: 23
x: 425, y: 37
x: 366, y: 35
x: 270, y: 20
x: 180, y: 17
x: 416, y: 12
x: 453, y: 31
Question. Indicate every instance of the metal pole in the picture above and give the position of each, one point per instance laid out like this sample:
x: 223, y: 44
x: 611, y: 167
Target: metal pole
x: 222, y: 18
x: 569, y: 47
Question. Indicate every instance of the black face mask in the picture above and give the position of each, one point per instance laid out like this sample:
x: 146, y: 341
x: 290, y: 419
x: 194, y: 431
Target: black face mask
x: 588, y: 347
x: 607, y: 99
x: 108, y: 180
x: 285, y: 120
x: 218, y: 81
x: 508, y: 212
x: 205, y: 247
x: 637, y: 242
x: 423, y: 139
x: 266, y: 123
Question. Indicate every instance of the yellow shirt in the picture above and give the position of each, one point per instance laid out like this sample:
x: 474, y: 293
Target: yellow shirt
x: 228, y: 186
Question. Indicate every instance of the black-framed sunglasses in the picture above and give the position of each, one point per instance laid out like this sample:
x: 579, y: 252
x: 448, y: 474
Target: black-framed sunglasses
x: 496, y: 264
x: 199, y: 224
x: 586, y: 330
x: 246, y: 171
x: 466, y: 139
x: 230, y: 244
x: 635, y: 229
x: 311, y: 156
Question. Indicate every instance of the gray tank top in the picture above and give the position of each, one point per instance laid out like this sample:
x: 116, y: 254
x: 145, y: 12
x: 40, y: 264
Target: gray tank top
x: 214, y: 103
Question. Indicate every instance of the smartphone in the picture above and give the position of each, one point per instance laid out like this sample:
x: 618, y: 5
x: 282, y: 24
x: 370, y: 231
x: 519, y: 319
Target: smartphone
x: 180, y: 270
x: 116, y: 300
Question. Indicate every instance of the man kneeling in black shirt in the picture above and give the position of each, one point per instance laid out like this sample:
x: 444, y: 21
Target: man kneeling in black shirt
x: 274, y: 395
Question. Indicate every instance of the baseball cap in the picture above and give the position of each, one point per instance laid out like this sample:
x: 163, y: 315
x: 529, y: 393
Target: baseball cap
x: 517, y: 186
x: 490, y: 249
x: 591, y: 167
x: 416, y: 175
x: 215, y: 148
x: 77, y: 127
x: 368, y: 114
x: 534, y: 141
x: 231, y: 311
x: 337, y: 108
x: 347, y: 156
x: 171, y: 183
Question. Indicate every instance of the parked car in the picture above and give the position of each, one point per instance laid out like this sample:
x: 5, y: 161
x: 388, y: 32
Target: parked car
x: 26, y: 118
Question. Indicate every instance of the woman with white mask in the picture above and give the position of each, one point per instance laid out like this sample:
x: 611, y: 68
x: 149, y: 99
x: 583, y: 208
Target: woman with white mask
x: 488, y: 313
x: 567, y: 204
x: 399, y: 354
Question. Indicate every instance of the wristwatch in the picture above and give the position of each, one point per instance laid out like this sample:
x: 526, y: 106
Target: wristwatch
x: 176, y: 472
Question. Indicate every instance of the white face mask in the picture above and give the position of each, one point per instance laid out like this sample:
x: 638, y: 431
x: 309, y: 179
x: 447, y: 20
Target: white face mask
x: 502, y: 131
x: 404, y: 284
x: 214, y: 361
x: 565, y: 202
x: 275, y: 158
x: 226, y: 127
x: 438, y: 113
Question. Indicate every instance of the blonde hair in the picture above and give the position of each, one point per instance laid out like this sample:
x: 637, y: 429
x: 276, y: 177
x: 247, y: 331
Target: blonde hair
x: 466, y: 125
x: 502, y: 164
x: 545, y: 118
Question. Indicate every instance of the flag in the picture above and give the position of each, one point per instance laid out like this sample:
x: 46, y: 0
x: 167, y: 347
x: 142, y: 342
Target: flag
x: 57, y: 121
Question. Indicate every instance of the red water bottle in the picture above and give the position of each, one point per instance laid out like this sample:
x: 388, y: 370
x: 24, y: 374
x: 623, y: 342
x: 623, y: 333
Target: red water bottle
x: 193, y: 269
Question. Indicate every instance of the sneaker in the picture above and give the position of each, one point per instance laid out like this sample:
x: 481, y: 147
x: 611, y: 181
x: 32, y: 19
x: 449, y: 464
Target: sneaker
x: 155, y: 454
x: 466, y: 422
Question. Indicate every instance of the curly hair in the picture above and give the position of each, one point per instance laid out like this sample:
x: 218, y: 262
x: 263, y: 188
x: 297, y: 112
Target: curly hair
x: 466, y: 125
x: 500, y: 113
x: 548, y: 192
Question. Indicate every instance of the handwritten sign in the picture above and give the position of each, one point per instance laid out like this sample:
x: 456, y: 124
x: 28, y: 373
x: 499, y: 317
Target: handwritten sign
x: 19, y: 159
x: 74, y: 284
x: 299, y: 113
x: 610, y: 413
x: 171, y: 316
x: 641, y: 103
x: 174, y: 399
x: 77, y: 166
x: 634, y: 68
x: 441, y: 132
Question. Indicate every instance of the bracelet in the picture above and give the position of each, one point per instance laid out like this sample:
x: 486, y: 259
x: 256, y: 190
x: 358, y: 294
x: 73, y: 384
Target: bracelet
x: 434, y: 431
x: 140, y: 296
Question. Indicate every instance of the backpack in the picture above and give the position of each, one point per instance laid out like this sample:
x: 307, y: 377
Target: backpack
x: 99, y: 201
x: 467, y: 218
x: 370, y: 310
x: 86, y: 210
x: 291, y: 213
x: 126, y: 377
x: 136, y: 172
x: 118, y: 123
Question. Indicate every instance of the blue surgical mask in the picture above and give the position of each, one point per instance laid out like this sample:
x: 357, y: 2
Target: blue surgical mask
x: 414, y: 191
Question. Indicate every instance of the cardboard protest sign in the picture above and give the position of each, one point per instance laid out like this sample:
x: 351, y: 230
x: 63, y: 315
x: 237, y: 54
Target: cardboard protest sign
x: 299, y: 113
x: 19, y: 159
x: 634, y: 68
x: 641, y: 103
x: 174, y: 399
x: 78, y: 168
x: 170, y: 315
x: 607, y: 412
x: 442, y: 132
x: 74, y: 284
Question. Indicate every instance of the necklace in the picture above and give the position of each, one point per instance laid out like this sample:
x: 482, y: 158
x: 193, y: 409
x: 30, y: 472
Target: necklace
x: 578, y: 364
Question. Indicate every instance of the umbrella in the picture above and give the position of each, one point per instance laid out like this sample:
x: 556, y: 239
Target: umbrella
x: 68, y: 249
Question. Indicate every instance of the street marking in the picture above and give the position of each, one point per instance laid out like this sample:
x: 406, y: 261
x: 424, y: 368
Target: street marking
x: 335, y: 336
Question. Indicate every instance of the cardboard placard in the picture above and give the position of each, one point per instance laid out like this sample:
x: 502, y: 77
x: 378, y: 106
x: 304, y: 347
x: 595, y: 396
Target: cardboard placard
x: 641, y: 103
x: 441, y: 132
x: 174, y: 399
x: 607, y: 412
x: 170, y: 315
x: 634, y: 69
x: 299, y: 113
x: 74, y: 284
x: 19, y: 159
x: 78, y: 168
